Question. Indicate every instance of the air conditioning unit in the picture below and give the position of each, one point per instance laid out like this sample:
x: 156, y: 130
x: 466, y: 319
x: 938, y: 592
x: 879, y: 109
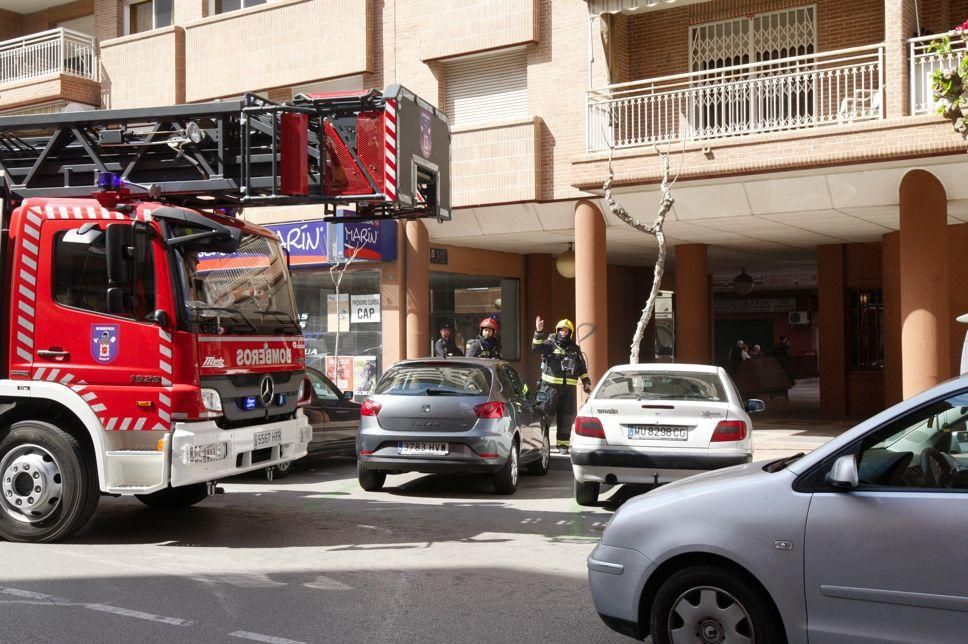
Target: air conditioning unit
x: 798, y: 317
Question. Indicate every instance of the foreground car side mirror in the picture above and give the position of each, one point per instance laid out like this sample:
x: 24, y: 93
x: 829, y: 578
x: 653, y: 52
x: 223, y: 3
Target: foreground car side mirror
x: 754, y: 405
x: 348, y: 395
x: 843, y: 474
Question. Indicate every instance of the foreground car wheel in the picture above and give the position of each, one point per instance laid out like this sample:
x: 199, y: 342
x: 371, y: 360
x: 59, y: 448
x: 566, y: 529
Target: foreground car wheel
x: 370, y: 480
x: 705, y: 604
x: 49, y: 483
x: 587, y: 493
x: 175, y: 498
x: 540, y: 467
x: 506, y: 479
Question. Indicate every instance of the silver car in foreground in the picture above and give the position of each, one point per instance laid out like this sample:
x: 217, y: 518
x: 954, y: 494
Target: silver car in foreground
x: 449, y: 416
x: 862, y: 540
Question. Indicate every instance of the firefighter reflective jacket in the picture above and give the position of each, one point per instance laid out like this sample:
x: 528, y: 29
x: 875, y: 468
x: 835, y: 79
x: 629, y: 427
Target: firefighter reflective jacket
x: 481, y: 347
x: 562, y: 363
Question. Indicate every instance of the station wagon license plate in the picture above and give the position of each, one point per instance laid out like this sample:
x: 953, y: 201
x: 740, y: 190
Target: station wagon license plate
x: 658, y: 432
x: 422, y: 449
x: 268, y: 438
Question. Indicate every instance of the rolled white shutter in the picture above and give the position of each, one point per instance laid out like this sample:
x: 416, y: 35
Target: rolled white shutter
x: 487, y: 88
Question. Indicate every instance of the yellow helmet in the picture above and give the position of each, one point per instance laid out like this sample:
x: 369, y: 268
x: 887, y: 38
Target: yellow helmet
x: 565, y: 324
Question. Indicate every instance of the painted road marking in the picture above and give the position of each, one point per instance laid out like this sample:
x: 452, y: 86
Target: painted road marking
x: 102, y: 608
x: 258, y: 637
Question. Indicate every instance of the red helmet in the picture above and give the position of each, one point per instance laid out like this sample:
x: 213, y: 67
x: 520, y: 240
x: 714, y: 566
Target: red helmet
x: 490, y: 323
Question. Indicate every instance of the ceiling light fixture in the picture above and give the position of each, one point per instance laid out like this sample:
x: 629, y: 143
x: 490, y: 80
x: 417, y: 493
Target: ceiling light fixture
x: 565, y: 263
x: 743, y: 283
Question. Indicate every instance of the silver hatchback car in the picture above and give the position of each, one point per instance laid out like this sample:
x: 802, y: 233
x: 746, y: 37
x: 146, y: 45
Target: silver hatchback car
x: 862, y: 540
x: 453, y: 415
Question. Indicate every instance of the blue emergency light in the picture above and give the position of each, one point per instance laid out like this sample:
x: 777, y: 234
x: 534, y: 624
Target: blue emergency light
x: 249, y: 403
x: 108, y: 182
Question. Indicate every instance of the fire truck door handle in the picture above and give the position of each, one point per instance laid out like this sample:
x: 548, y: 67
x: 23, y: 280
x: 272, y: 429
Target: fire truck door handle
x: 54, y: 353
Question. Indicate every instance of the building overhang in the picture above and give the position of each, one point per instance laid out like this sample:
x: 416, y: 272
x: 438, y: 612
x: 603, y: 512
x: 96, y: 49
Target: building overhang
x: 598, y: 7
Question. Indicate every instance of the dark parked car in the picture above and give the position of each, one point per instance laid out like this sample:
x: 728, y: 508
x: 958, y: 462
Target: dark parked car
x: 454, y: 415
x: 335, y: 419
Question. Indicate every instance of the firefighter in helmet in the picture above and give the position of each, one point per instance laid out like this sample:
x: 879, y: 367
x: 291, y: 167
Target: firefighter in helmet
x: 562, y: 367
x: 487, y: 344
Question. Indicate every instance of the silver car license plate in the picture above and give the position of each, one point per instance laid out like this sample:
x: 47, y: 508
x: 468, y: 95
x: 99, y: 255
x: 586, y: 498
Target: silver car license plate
x: 268, y: 438
x: 422, y: 449
x: 658, y: 433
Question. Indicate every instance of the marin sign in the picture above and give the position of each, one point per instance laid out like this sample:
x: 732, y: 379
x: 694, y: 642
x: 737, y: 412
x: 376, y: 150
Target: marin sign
x: 317, y: 242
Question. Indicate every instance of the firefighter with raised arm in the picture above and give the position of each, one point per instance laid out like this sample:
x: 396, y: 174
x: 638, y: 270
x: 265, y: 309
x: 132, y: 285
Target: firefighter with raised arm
x: 562, y: 367
x: 487, y: 344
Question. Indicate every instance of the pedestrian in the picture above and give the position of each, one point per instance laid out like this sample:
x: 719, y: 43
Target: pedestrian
x: 756, y: 352
x: 781, y: 351
x: 562, y: 367
x: 487, y: 344
x: 445, y: 346
x: 735, y: 358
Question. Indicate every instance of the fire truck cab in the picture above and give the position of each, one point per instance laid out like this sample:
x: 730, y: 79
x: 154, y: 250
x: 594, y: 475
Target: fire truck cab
x: 152, y: 343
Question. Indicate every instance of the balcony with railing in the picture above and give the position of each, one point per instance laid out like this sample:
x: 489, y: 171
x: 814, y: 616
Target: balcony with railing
x: 60, y: 64
x: 923, y: 65
x: 782, y: 94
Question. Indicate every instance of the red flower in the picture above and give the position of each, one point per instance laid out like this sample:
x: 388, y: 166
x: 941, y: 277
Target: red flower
x: 962, y: 27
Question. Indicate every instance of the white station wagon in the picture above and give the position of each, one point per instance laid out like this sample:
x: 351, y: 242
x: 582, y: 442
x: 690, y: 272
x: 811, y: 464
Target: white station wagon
x: 656, y: 423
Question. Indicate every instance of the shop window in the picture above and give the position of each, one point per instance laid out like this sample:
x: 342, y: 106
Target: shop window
x: 147, y: 15
x: 865, y: 311
x: 465, y: 300
x: 355, y: 363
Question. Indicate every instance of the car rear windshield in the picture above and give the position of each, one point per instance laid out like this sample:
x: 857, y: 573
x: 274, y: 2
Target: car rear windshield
x: 429, y: 379
x: 662, y: 386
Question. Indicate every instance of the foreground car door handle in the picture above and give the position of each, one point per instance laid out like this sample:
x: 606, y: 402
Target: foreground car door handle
x: 606, y: 567
x: 54, y: 353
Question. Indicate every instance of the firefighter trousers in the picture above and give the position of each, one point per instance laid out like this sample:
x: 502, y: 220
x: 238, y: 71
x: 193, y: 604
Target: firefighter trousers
x: 561, y: 407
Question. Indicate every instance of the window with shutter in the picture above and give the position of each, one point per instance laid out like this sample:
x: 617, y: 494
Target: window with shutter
x: 486, y: 88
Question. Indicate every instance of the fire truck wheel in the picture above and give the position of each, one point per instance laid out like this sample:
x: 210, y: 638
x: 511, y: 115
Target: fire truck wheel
x: 175, y: 498
x: 48, y: 483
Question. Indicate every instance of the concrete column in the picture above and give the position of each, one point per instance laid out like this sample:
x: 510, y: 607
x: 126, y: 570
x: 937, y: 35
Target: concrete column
x: 693, y: 315
x: 891, y: 271
x: 833, y: 348
x: 591, y: 288
x: 924, y: 282
x: 900, y: 23
x: 393, y: 297
x: 418, y: 289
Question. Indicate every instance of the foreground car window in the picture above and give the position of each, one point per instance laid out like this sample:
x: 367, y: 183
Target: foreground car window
x: 927, y: 448
x: 662, y: 386
x: 429, y: 379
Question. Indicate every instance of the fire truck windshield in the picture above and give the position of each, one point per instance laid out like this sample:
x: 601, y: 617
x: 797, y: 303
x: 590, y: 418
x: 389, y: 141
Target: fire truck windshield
x: 247, y: 291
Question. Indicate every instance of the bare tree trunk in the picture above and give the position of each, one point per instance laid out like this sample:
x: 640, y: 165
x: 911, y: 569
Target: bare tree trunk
x: 336, y: 272
x: 654, y: 229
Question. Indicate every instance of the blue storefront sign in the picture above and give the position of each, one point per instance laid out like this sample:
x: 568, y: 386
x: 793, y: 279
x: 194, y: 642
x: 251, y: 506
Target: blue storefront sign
x: 317, y: 242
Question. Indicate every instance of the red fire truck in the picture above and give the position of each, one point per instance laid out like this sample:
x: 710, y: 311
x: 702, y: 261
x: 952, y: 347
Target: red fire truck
x: 151, y: 342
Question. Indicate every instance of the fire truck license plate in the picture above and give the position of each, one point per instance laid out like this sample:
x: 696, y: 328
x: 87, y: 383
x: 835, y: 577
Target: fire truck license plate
x: 658, y: 433
x: 268, y: 438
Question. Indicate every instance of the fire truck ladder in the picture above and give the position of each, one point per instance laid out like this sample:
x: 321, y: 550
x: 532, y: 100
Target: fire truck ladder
x: 374, y: 150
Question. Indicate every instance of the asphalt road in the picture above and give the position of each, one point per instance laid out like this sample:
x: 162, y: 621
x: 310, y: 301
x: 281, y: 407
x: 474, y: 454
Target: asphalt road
x: 313, y: 558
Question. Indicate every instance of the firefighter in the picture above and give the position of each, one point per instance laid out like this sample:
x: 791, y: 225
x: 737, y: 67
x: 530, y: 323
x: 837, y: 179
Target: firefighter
x: 445, y: 346
x: 562, y: 367
x: 487, y: 344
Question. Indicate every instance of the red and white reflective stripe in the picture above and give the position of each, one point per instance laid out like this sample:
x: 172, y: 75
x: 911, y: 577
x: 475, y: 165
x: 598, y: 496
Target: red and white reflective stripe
x: 165, y: 353
x: 390, y: 161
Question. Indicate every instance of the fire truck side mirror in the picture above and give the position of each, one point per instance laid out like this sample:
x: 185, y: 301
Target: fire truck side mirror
x: 161, y: 318
x: 117, y: 242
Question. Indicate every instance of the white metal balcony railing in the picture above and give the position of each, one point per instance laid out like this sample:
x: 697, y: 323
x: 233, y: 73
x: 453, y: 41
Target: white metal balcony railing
x: 923, y: 65
x: 784, y: 94
x: 58, y: 51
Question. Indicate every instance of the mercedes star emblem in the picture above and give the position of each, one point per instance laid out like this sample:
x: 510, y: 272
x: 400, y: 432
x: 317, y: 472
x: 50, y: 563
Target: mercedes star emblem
x: 267, y: 391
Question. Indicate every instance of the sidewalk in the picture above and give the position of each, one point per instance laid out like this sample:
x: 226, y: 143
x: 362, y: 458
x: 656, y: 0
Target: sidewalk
x: 794, y: 425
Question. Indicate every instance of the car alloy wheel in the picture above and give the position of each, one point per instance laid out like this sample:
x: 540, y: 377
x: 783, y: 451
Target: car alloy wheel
x: 709, y: 615
x: 514, y: 466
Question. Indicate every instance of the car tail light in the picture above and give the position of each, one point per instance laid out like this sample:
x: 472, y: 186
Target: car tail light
x: 729, y: 430
x: 305, y: 393
x: 589, y: 426
x: 370, y: 407
x: 493, y: 409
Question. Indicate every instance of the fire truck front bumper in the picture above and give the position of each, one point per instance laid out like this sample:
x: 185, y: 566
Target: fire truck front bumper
x: 203, y: 452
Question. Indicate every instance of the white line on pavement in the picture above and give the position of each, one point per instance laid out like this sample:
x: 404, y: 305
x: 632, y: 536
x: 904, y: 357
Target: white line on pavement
x: 257, y: 637
x: 137, y: 614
